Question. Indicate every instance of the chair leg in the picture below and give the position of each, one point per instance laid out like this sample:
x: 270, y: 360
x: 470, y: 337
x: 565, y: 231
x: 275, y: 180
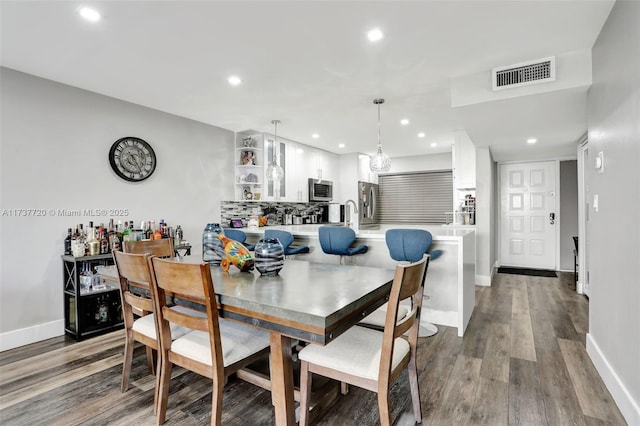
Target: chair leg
x: 305, y: 392
x: 163, y: 393
x: 151, y: 358
x: 128, y: 357
x: 384, y: 407
x: 344, y: 388
x: 216, y: 402
x: 156, y: 391
x: 415, y: 391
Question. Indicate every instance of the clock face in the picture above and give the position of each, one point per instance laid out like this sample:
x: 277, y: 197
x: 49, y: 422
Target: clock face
x: 132, y: 159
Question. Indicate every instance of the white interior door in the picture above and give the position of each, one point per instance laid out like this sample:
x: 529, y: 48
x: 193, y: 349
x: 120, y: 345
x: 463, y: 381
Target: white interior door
x: 528, y: 215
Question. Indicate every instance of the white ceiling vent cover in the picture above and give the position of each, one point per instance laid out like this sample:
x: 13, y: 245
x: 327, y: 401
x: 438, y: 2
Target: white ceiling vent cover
x: 524, y: 74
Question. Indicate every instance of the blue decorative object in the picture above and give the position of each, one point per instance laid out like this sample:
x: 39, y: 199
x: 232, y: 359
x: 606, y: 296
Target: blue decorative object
x: 269, y: 256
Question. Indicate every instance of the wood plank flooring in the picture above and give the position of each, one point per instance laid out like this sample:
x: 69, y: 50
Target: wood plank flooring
x: 522, y: 362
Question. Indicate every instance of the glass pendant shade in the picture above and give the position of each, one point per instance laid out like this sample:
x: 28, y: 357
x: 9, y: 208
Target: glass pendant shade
x: 274, y: 171
x: 380, y: 162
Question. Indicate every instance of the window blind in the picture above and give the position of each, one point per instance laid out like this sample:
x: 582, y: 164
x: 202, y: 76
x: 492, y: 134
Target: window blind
x: 418, y: 197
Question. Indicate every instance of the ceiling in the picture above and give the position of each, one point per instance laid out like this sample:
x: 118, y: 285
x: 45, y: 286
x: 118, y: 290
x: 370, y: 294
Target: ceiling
x: 310, y: 65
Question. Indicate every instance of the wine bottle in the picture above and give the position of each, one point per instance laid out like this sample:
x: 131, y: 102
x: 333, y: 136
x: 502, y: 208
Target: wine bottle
x: 67, y: 242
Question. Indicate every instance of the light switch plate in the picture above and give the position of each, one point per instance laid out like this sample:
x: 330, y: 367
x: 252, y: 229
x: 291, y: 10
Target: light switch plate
x: 600, y: 162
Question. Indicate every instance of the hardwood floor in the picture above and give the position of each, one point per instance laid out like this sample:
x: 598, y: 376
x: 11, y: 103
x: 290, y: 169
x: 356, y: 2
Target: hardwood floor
x: 522, y: 362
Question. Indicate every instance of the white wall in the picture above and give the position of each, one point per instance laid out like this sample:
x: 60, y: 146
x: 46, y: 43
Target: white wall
x: 613, y: 341
x: 54, y: 149
x: 421, y: 163
x: 485, y: 230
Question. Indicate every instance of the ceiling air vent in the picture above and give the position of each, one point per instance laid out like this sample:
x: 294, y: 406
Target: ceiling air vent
x: 524, y: 74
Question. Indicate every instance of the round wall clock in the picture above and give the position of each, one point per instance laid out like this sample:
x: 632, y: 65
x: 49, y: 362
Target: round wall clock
x: 132, y: 159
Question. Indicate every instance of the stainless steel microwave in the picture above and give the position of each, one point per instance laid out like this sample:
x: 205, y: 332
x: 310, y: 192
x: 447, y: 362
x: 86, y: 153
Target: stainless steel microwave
x: 320, y: 190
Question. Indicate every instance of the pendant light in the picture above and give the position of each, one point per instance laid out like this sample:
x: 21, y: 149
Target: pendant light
x: 380, y: 162
x: 274, y: 171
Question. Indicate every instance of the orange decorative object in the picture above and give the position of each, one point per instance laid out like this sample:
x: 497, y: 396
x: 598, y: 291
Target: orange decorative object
x: 236, y: 254
x: 263, y: 220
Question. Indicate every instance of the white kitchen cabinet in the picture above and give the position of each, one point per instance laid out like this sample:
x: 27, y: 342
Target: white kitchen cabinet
x: 297, y: 172
x: 271, y: 190
x: 464, y: 162
x: 364, y: 172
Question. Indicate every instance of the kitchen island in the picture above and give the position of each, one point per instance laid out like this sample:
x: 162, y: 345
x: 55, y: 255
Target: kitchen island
x: 450, y: 286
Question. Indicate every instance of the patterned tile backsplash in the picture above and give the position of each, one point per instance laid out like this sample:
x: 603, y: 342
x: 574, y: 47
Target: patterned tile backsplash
x: 274, y: 210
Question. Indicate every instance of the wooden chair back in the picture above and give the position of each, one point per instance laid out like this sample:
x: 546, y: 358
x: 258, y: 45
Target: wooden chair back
x: 190, y: 282
x: 408, y: 283
x: 133, y: 269
x: 160, y: 248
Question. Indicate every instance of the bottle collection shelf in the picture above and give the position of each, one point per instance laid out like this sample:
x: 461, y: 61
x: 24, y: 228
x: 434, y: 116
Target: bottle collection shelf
x: 93, y: 310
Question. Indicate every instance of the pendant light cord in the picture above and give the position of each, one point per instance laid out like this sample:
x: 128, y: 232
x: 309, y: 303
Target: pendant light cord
x: 379, y: 140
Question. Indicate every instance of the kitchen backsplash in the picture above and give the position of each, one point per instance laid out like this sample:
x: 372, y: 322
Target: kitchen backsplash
x: 275, y: 210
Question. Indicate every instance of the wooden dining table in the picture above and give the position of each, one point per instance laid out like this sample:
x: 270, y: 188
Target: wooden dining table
x: 306, y: 301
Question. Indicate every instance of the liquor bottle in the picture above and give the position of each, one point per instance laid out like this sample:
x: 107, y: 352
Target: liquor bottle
x: 83, y: 240
x: 163, y: 228
x: 114, y: 241
x: 77, y: 246
x: 125, y: 232
x: 119, y: 230
x: 104, y: 242
x: 67, y: 243
x: 85, y: 278
x: 92, y: 241
x: 157, y: 234
x: 179, y: 235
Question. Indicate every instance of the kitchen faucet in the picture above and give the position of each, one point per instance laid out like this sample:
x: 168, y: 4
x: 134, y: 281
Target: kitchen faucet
x: 347, y: 212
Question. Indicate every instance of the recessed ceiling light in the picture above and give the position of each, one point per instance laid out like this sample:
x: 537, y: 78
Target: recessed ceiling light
x: 341, y: 145
x: 315, y: 136
x: 375, y: 34
x: 531, y: 141
x: 421, y: 135
x: 433, y: 144
x: 89, y: 14
x: 404, y: 121
x: 234, y: 80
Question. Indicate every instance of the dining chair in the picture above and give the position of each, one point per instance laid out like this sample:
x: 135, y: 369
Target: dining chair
x: 286, y: 239
x: 337, y: 240
x: 239, y: 236
x: 135, y: 278
x: 215, y: 348
x: 161, y: 248
x: 369, y: 359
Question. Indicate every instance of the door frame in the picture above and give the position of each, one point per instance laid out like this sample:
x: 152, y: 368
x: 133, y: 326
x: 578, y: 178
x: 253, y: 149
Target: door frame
x: 556, y: 207
x: 582, y: 286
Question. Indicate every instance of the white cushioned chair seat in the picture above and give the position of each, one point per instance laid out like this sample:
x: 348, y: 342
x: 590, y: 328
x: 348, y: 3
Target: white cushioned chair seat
x: 379, y: 316
x: 238, y: 342
x: 356, y: 352
x: 147, y: 324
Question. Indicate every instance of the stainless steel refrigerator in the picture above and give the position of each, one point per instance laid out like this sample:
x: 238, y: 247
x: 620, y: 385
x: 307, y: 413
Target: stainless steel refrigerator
x: 368, y: 205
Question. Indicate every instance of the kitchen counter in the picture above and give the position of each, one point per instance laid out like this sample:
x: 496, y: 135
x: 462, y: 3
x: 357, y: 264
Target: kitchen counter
x: 439, y: 232
x: 450, y: 284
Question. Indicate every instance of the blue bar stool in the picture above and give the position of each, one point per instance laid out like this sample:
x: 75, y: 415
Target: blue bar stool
x: 338, y: 239
x: 286, y: 239
x: 410, y: 245
x: 239, y: 236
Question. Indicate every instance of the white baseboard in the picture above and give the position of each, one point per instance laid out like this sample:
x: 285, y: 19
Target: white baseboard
x: 629, y: 408
x: 28, y: 335
x: 447, y: 318
x: 483, y: 280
